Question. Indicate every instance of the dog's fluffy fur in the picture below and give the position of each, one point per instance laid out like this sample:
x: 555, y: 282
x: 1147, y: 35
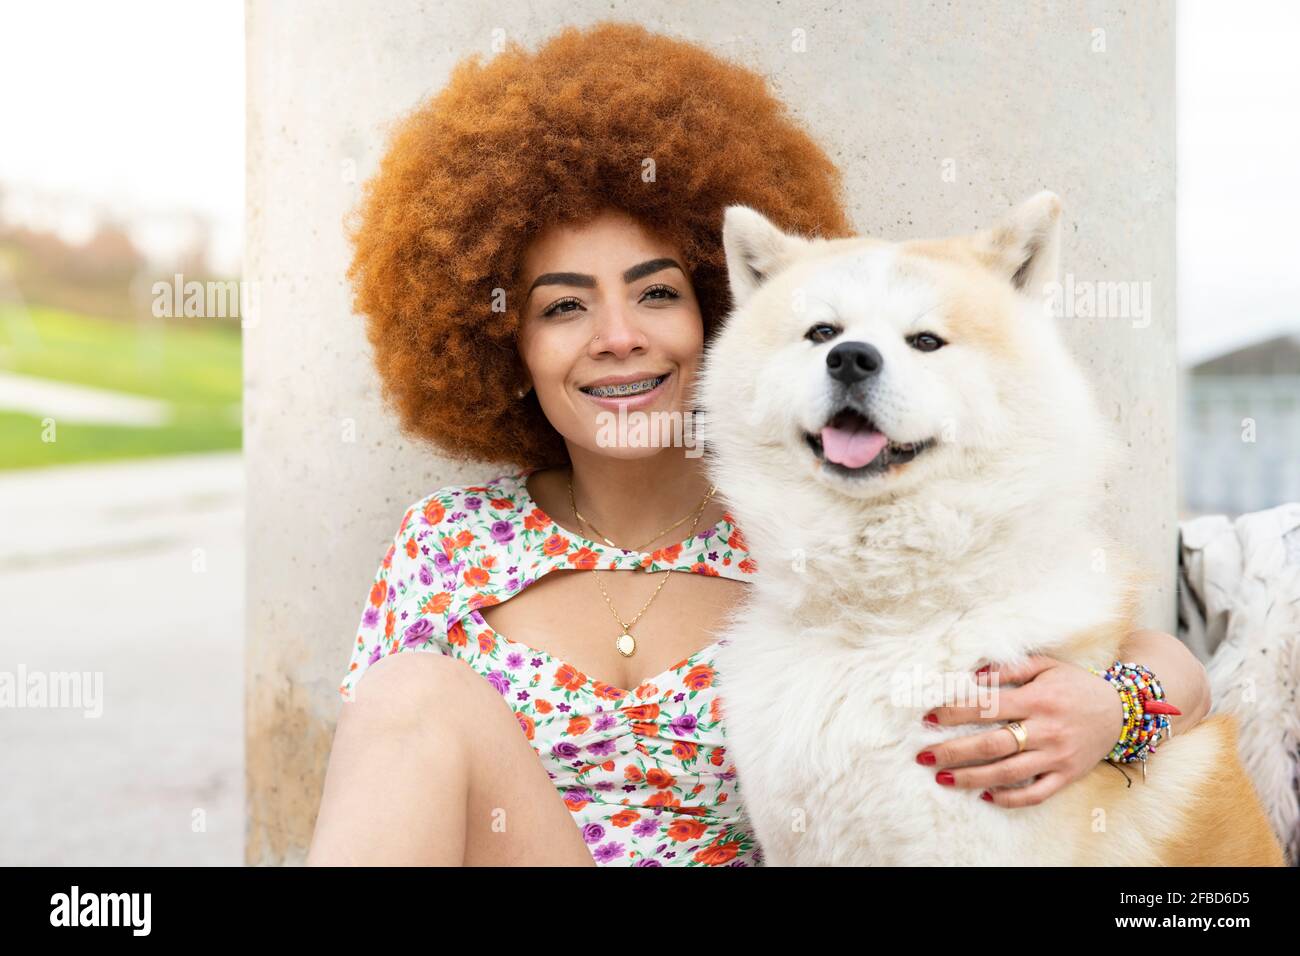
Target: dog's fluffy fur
x: 878, y: 584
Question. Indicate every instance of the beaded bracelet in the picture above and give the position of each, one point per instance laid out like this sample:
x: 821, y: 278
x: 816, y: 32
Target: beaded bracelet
x: 1146, y: 718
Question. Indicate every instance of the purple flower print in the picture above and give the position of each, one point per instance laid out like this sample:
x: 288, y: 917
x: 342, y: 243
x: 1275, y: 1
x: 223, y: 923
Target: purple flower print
x: 417, y: 632
x: 605, y: 786
x: 536, y: 662
x: 457, y: 515
x: 442, y: 563
x: 426, y: 576
x: 646, y: 861
x: 512, y: 584
x: 473, y: 502
x: 713, y: 555
x: 593, y: 833
x: 683, y: 725
x: 645, y: 828
x: 602, y: 748
x: 371, y: 617
x: 522, y: 695
x: 514, y: 660
x: 678, y: 698
x: 608, y: 851
x: 707, y: 533
x: 564, y: 750
x: 500, y: 681
x: 377, y: 653
x: 511, y: 570
x: 502, y: 531
x: 604, y: 722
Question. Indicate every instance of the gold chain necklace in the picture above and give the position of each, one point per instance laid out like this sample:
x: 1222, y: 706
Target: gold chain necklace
x: 625, y: 643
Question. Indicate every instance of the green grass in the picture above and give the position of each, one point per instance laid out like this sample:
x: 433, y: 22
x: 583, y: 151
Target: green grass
x: 22, y: 443
x: 197, y: 370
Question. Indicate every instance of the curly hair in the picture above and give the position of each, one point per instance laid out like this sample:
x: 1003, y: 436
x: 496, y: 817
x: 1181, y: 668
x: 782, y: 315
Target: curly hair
x: 612, y: 115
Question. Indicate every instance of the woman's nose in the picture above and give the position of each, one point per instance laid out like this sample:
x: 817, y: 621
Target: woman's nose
x: 617, y: 331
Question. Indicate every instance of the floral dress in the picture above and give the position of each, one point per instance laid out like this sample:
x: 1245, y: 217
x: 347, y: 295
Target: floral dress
x: 645, y: 771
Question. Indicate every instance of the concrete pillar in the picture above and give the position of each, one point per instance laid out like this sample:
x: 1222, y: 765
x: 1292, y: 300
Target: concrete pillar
x: 942, y: 116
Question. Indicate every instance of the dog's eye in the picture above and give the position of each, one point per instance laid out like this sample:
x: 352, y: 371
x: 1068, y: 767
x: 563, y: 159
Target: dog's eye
x: 925, y: 341
x: 821, y: 332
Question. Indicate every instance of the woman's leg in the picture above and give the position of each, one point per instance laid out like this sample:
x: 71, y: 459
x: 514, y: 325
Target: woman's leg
x: 430, y: 767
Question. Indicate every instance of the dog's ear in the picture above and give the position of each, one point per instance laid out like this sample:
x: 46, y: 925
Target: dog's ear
x: 1026, y: 246
x: 755, y: 249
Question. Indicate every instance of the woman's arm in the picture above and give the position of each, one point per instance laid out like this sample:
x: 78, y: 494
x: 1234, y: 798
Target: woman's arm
x: 1071, y: 718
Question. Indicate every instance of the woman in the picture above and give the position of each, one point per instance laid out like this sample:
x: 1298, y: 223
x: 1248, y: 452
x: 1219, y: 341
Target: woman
x: 541, y: 245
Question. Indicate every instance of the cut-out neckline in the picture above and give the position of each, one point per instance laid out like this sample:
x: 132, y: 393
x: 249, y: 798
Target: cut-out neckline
x: 530, y: 504
x: 589, y: 686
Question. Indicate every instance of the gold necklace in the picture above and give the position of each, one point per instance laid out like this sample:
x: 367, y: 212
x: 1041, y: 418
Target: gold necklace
x: 625, y: 643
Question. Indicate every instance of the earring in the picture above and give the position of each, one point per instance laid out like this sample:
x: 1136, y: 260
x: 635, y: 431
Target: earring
x: 523, y: 391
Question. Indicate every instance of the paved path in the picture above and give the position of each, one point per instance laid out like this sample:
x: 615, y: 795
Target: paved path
x: 65, y: 402
x: 132, y: 571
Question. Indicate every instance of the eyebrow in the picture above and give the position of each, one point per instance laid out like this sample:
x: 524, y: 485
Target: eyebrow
x: 589, y: 282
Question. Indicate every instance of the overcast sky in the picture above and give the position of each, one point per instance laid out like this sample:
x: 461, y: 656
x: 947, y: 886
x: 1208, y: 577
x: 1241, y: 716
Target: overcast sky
x: 142, y: 104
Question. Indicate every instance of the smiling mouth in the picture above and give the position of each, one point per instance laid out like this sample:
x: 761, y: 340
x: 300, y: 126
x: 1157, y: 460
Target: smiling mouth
x: 624, y: 389
x: 851, y: 444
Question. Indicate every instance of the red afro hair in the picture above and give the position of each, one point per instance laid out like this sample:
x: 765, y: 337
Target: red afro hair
x: 611, y: 115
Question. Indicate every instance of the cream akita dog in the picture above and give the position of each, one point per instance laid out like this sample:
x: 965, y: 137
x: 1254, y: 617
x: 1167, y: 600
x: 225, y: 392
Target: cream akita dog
x: 919, y: 469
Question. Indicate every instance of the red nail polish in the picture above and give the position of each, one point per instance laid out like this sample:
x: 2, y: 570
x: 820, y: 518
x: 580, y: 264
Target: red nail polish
x: 984, y: 669
x: 944, y: 777
x: 1160, y: 707
x: 986, y: 796
x: 925, y: 757
x: 931, y: 719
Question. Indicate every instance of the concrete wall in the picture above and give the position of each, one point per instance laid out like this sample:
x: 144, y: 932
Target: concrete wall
x: 942, y: 117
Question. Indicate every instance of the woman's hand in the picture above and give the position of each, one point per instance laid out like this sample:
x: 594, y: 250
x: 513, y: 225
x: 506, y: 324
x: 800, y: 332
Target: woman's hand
x: 1072, y: 719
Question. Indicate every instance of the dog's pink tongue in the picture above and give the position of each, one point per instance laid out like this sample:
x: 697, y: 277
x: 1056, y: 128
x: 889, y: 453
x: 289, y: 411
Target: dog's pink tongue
x: 852, y: 449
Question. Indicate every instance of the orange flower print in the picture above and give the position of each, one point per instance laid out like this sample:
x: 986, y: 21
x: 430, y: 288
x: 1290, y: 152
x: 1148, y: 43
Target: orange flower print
x: 501, y: 504
x: 716, y: 756
x: 736, y: 541
x: 718, y: 854
x: 658, y: 777
x: 378, y: 593
x: 684, y: 830
x: 578, y: 726
x: 749, y: 565
x: 480, y: 599
x: 646, y: 730
x: 632, y: 773
x: 555, y: 544
x: 663, y: 798
x: 536, y: 520
x: 625, y: 818
x: 668, y: 555
x: 475, y: 577
x: 527, y: 724
x: 436, y: 603
x: 683, y: 750
x: 607, y: 691
x: 584, y: 559
x: 715, y: 709
x: 642, y: 712
x: 576, y: 799
x: 434, y: 512
x: 699, y: 677
x: 412, y: 549
x: 569, y: 677
x: 456, y: 634
x: 699, y: 567
x: 465, y: 538
x: 389, y: 620
x: 543, y: 706
x: 487, y: 642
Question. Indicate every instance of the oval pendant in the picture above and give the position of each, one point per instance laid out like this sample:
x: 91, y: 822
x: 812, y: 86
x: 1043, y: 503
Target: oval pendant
x: 626, y: 644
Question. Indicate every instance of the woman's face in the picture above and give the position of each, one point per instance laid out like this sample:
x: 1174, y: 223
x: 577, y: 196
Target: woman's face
x: 607, y: 302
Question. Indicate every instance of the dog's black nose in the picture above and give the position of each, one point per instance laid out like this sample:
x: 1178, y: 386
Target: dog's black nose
x: 851, y: 362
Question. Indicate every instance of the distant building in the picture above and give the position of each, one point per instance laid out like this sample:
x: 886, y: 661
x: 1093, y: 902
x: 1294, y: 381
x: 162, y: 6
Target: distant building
x: 1239, y: 441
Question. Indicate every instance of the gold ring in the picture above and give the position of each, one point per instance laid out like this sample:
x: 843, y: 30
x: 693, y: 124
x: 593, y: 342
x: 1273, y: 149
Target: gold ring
x: 1019, y: 733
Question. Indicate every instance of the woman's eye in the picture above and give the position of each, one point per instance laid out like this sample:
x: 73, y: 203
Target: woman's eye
x: 925, y: 341
x: 668, y: 292
x: 821, y: 332
x: 556, y: 307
